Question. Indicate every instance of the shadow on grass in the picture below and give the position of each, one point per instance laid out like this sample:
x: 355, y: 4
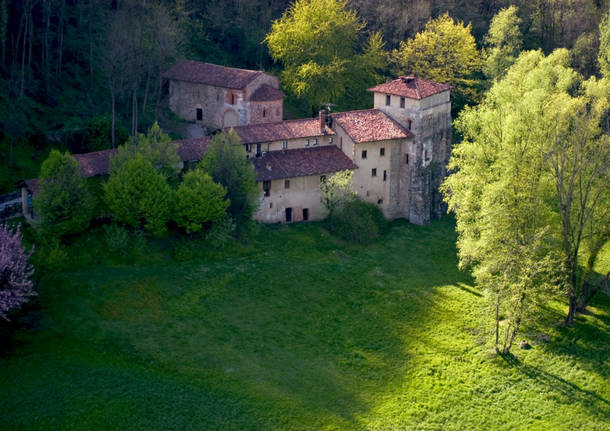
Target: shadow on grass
x: 569, y: 391
x: 464, y: 287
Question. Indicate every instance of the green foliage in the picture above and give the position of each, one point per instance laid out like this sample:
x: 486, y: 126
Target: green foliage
x: 503, y: 41
x: 357, y: 221
x: 603, y: 57
x: 62, y: 205
x: 98, y: 135
x: 316, y: 40
x: 349, y: 217
x: 138, y: 195
x: 444, y: 51
x: 154, y: 146
x: 337, y: 190
x: 518, y: 153
x: 226, y: 163
x: 200, y: 202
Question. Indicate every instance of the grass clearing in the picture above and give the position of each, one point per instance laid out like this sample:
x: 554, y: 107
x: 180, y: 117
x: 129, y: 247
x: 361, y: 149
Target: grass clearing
x: 294, y: 331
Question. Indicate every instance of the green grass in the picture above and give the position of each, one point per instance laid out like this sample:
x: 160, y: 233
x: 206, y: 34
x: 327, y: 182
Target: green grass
x: 294, y: 331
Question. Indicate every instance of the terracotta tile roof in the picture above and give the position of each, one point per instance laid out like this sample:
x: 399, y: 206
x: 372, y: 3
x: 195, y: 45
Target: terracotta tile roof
x: 211, y: 74
x: 370, y: 125
x: 95, y: 163
x: 412, y: 87
x: 289, y: 129
x: 191, y: 150
x: 267, y: 93
x: 301, y: 162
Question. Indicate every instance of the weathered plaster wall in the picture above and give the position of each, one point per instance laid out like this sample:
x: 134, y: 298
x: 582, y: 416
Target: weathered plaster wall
x: 304, y: 192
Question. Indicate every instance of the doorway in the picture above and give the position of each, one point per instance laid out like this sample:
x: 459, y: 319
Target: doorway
x: 288, y: 215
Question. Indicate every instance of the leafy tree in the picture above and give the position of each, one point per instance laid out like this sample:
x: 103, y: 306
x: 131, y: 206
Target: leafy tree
x: 504, y: 41
x: 445, y: 52
x: 200, y: 201
x: 337, y: 190
x: 226, y: 163
x: 316, y: 41
x: 138, y: 195
x: 16, y: 286
x: 98, y: 134
x: 156, y: 147
x: 603, y: 57
x: 526, y: 186
x: 63, y: 204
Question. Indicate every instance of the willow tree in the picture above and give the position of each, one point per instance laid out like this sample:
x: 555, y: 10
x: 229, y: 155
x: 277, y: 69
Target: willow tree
x: 528, y: 185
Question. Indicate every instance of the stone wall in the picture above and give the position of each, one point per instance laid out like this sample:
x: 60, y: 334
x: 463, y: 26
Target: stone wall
x: 303, y: 193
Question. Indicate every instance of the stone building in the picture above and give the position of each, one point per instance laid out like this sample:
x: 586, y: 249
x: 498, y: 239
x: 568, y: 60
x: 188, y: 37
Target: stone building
x: 398, y: 150
x: 217, y: 96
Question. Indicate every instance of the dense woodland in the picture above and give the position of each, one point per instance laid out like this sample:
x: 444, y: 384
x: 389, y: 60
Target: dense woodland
x: 67, y: 65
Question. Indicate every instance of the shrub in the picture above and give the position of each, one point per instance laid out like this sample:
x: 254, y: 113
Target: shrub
x: 226, y: 163
x: 15, y: 272
x: 139, y: 196
x: 357, y: 221
x: 63, y: 204
x: 200, y: 202
x: 124, y: 244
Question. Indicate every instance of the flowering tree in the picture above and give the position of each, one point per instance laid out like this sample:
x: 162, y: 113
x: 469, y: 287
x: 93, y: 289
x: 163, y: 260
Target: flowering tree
x: 15, y: 271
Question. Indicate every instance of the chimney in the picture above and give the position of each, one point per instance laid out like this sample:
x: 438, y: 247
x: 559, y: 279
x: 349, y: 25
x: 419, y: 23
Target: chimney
x: 323, y: 115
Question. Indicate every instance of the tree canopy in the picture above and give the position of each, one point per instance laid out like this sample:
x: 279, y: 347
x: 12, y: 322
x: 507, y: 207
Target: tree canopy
x: 226, y: 163
x: 63, y: 204
x: 317, y: 42
x: 445, y: 51
x: 519, y: 230
x: 504, y: 41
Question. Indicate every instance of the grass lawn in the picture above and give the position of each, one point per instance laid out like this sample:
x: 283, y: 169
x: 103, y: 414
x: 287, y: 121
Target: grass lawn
x: 295, y: 331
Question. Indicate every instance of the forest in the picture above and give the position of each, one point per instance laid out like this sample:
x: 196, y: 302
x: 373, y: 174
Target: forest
x: 67, y: 67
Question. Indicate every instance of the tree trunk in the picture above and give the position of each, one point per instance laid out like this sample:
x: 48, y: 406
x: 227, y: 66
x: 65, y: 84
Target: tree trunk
x: 23, y: 49
x: 571, y: 311
x: 112, y: 125
x: 497, y: 321
x: 146, y: 88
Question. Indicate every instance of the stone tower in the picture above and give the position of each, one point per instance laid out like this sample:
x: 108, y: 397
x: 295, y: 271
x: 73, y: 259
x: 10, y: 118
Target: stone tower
x: 424, y: 108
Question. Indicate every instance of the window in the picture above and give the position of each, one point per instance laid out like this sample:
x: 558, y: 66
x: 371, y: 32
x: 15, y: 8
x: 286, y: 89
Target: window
x: 286, y: 184
x: 305, y: 214
x: 379, y: 201
x: 248, y: 148
x: 374, y: 172
x: 409, y: 124
x: 232, y: 99
x: 288, y: 215
x: 330, y: 141
x: 284, y: 145
x: 364, y: 154
x: 385, y: 175
x: 258, y: 150
x: 264, y: 113
x: 426, y: 158
x: 382, y: 152
x: 266, y: 188
x: 199, y: 114
x: 315, y: 141
x: 322, y: 178
x: 270, y: 204
x: 387, y: 99
x: 307, y: 142
x: 341, y: 142
x: 407, y: 159
x: 402, y: 102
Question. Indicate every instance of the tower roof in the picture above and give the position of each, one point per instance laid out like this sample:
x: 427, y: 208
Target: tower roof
x: 412, y: 87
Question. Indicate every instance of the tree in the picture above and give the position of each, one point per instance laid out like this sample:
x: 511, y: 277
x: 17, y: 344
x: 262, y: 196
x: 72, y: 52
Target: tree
x: 16, y: 286
x: 156, y: 147
x: 226, y: 163
x: 316, y: 41
x: 138, y: 195
x: 337, y: 190
x: 503, y: 41
x: 200, y: 201
x: 525, y: 186
x: 603, y: 57
x: 63, y: 204
x: 445, y: 52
